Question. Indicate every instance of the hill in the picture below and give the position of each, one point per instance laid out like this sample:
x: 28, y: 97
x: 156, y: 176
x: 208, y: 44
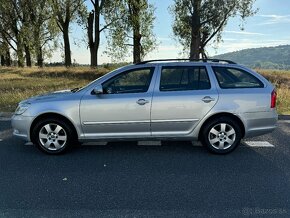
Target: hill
x: 277, y: 57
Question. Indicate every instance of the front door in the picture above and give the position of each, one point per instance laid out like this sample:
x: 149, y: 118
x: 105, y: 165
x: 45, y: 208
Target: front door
x: 123, y: 110
x: 183, y: 95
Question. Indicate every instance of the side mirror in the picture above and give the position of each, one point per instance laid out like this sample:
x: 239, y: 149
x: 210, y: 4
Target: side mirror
x: 98, y: 90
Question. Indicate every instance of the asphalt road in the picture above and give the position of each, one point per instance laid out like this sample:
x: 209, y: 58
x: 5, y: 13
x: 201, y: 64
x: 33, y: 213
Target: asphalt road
x: 127, y: 180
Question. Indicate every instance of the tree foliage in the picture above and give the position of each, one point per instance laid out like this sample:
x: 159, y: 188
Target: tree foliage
x: 43, y: 29
x: 12, y: 27
x: 197, y: 22
x: 27, y: 28
x: 132, y: 27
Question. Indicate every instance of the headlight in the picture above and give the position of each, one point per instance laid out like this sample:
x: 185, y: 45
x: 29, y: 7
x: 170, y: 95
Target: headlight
x: 21, y: 108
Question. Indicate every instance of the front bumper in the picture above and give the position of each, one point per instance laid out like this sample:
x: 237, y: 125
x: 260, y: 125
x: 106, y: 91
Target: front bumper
x: 21, y: 126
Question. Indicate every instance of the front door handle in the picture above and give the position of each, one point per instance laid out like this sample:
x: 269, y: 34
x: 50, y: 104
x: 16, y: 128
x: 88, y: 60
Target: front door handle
x: 142, y: 102
x: 207, y: 99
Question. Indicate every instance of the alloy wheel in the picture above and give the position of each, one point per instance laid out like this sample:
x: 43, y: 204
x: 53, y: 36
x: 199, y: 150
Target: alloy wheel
x: 222, y: 136
x: 52, y: 136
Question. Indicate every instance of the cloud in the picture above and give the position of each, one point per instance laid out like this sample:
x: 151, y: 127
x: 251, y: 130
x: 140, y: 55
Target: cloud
x: 274, y: 19
x: 244, y: 33
x: 239, y: 45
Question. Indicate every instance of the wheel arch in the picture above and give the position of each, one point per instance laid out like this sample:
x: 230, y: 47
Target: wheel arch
x: 54, y: 116
x: 223, y: 114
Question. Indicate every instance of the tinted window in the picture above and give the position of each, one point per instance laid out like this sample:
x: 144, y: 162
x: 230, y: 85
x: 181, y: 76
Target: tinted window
x: 133, y: 81
x: 184, y: 78
x: 229, y: 78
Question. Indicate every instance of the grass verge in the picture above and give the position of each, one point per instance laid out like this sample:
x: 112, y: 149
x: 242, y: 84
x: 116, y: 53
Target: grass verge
x: 17, y: 84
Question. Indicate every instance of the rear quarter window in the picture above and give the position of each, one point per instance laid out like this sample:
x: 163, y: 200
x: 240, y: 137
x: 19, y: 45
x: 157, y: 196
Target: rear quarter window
x: 230, y: 78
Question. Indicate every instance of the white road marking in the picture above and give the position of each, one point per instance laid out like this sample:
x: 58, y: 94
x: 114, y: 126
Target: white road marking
x: 149, y: 143
x: 259, y: 144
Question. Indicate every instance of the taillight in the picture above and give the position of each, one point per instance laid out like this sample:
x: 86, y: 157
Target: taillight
x: 273, y: 99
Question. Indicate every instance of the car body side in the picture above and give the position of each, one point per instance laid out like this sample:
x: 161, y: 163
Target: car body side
x: 249, y: 106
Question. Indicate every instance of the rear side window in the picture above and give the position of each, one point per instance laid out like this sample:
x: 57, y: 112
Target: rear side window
x: 230, y: 78
x: 184, y: 78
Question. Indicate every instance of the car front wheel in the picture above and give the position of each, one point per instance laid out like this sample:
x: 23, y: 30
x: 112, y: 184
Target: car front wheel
x: 52, y: 136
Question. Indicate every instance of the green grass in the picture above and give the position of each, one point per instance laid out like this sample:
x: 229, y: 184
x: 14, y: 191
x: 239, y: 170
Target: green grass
x: 17, y: 84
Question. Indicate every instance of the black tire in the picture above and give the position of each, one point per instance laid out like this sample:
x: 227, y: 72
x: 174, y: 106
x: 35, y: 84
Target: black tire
x: 67, y: 131
x: 219, y: 130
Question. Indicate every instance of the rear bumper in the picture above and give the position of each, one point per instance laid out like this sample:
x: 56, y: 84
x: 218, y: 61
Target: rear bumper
x: 21, y: 126
x: 260, y: 123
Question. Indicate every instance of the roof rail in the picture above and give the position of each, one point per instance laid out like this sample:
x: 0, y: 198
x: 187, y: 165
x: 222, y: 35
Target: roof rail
x: 186, y: 59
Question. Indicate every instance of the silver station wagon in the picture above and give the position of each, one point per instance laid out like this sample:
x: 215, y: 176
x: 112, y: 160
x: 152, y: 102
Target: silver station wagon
x: 215, y: 101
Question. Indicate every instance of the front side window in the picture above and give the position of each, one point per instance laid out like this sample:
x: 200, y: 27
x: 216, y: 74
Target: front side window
x: 229, y: 78
x: 184, y: 78
x: 132, y: 81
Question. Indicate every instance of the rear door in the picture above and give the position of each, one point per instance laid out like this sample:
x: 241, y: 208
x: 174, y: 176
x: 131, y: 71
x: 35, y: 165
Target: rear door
x: 183, y: 95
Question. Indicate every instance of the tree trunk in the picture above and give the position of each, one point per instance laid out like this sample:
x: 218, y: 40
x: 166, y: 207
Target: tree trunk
x: 94, y: 18
x: 27, y: 56
x: 19, y: 52
x: 67, y: 52
x: 93, y: 44
x: 195, y: 32
x: 3, y: 61
x: 97, y: 34
x: 39, y: 57
x: 20, y: 57
x: 136, y: 31
x: 136, y: 46
x: 8, y: 58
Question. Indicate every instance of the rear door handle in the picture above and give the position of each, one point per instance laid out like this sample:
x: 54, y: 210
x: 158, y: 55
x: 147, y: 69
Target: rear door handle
x: 142, y: 102
x: 207, y: 99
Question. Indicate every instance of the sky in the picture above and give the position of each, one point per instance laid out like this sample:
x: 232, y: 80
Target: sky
x: 270, y: 26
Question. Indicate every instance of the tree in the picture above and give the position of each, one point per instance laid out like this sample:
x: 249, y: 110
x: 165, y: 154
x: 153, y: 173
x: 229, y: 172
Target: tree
x: 197, y: 22
x: 21, y: 13
x: 4, y: 52
x: 42, y: 27
x: 94, y: 28
x: 65, y: 12
x: 132, y: 27
x: 11, y: 28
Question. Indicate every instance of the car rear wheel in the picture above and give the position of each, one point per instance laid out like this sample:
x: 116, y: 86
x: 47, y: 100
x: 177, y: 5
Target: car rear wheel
x: 52, y: 136
x: 221, y: 135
